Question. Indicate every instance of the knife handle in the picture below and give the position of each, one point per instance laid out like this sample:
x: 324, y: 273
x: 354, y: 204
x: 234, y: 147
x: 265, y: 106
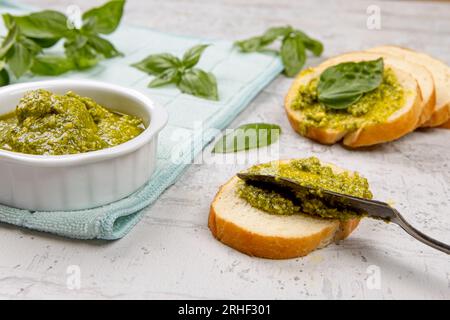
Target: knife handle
x: 399, y: 220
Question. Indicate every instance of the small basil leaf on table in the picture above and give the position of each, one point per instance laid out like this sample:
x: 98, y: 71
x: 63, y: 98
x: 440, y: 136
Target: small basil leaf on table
x: 261, y: 42
x: 169, y: 69
x: 167, y: 77
x: 274, y: 33
x: 50, y: 65
x: 81, y: 52
x: 343, y: 84
x: 293, y: 54
x: 47, y: 24
x: 293, y: 45
x: 250, y: 45
x: 192, y: 56
x: 248, y: 136
x: 19, y: 59
x: 9, y: 40
x: 156, y: 63
x: 103, y: 46
x: 199, y: 83
x: 313, y: 45
x: 45, y: 43
x: 104, y: 19
x: 4, y: 76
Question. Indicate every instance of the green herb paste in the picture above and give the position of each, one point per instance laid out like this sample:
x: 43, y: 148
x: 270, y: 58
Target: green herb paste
x: 307, y: 172
x: 374, y: 107
x: 48, y: 124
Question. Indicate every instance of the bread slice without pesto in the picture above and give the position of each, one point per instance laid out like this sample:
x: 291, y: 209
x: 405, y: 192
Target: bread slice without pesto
x: 441, y: 76
x: 421, y: 74
x: 401, y: 122
x: 257, y: 233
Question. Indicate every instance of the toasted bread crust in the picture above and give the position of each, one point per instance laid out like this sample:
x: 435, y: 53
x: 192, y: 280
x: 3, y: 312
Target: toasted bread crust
x: 446, y: 125
x: 439, y: 117
x: 387, y: 131
x: 271, y: 247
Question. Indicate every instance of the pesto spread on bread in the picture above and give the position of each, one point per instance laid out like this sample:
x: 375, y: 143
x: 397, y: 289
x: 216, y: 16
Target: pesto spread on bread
x: 373, y: 107
x: 45, y: 123
x: 307, y: 172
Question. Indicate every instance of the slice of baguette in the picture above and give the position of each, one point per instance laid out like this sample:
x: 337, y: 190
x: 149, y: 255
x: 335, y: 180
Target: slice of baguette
x: 421, y: 74
x: 441, y: 75
x: 446, y: 125
x: 257, y: 233
x: 397, y: 125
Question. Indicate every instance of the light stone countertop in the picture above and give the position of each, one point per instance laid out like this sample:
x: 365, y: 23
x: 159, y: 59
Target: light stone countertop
x: 171, y: 253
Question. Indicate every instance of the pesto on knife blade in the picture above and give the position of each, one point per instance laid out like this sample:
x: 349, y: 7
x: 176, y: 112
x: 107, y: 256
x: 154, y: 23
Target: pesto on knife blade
x: 307, y: 172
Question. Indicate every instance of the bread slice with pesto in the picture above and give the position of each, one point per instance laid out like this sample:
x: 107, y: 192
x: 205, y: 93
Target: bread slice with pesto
x: 421, y: 74
x: 253, y: 231
x: 441, y: 76
x: 390, y: 115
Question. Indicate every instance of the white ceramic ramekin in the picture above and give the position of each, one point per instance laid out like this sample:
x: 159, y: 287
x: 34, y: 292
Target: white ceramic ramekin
x: 86, y: 180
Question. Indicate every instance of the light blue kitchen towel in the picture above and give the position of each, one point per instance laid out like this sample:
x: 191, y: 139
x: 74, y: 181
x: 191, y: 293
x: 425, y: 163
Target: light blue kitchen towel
x: 240, y: 78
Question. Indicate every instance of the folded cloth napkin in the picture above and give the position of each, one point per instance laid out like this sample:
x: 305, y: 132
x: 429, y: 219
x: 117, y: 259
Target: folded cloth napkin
x: 240, y: 78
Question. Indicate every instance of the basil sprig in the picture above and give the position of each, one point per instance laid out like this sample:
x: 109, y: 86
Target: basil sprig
x: 344, y: 84
x: 294, y: 44
x: 248, y: 136
x: 169, y: 69
x: 23, y: 48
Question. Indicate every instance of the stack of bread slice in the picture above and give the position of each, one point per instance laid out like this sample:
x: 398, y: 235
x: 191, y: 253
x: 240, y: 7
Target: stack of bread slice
x: 426, y: 78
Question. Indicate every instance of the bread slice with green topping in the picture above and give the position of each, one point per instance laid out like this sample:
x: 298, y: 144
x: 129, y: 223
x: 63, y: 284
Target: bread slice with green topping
x: 441, y: 76
x: 421, y: 74
x: 238, y: 224
x: 394, y: 109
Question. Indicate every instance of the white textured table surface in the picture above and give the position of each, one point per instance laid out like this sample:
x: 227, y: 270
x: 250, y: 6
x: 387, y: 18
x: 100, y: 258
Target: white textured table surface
x: 171, y: 253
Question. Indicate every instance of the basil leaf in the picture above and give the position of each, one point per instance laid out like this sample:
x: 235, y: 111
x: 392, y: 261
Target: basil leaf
x: 343, y: 84
x: 248, y: 136
x: 167, y: 77
x: 341, y: 103
x: 199, y: 83
x: 106, y: 18
x: 9, y: 40
x: 19, y: 59
x: 103, y: 46
x: 293, y: 54
x: 274, y: 33
x: 258, y: 43
x: 4, y: 78
x: 156, y: 63
x: 8, y: 20
x: 80, y: 52
x: 45, y: 43
x: 250, y: 45
x: 292, y: 50
x: 46, y: 24
x: 32, y: 46
x: 313, y: 45
x: 49, y: 65
x: 192, y: 56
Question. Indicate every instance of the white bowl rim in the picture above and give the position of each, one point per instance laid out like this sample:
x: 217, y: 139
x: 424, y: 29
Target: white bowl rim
x: 158, y: 119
